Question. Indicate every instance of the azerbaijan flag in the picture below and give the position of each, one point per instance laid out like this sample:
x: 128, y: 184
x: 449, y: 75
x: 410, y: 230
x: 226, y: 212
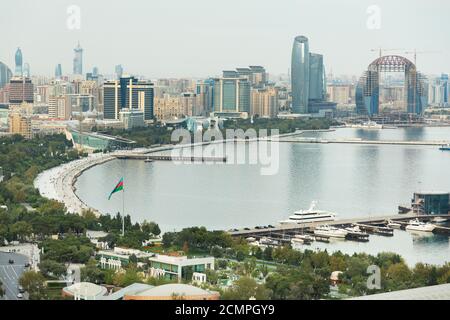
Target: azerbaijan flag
x: 117, y: 188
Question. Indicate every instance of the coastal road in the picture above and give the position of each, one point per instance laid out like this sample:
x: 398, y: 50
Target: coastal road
x: 10, y: 274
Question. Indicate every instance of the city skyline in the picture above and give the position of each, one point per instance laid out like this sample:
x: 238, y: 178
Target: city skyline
x: 216, y: 42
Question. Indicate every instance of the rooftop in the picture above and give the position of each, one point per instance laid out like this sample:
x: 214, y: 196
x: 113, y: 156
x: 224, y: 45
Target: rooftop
x: 439, y: 292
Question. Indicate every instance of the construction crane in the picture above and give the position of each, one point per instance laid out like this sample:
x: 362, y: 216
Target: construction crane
x: 415, y: 52
x: 381, y: 50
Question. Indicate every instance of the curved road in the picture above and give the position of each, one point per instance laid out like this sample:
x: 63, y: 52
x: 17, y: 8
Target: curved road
x: 10, y: 274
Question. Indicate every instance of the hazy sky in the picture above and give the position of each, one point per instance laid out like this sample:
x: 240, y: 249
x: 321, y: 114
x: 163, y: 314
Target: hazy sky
x: 181, y: 38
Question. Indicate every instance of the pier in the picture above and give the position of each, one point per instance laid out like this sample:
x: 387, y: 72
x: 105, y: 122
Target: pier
x: 372, y: 225
x: 141, y: 156
x: 367, y: 142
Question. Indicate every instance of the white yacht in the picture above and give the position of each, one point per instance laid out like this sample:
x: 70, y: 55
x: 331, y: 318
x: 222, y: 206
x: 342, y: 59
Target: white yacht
x: 394, y: 225
x: 439, y: 220
x: 329, y: 231
x: 416, y: 225
x: 310, y: 215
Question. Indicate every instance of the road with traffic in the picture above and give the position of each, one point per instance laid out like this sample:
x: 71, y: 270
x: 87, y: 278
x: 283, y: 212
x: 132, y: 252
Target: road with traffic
x: 10, y: 274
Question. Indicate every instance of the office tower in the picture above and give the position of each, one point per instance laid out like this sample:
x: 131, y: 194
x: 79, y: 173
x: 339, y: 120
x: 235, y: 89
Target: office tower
x: 316, y: 77
x: 20, y: 90
x: 58, y: 71
x: 231, y: 93
x: 264, y: 102
x: 59, y: 108
x: 20, y: 124
x: 118, y: 71
x: 95, y: 72
x: 300, y: 75
x: 78, y: 60
x: 5, y: 75
x: 130, y: 93
x: 26, y: 70
x: 259, y: 76
x: 19, y: 63
x: 205, y: 94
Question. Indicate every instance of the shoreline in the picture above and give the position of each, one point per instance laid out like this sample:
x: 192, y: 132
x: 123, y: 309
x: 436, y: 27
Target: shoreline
x: 58, y: 183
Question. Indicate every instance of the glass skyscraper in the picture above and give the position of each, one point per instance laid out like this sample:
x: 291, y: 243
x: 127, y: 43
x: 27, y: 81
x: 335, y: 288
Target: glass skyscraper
x: 19, y: 63
x: 78, y: 60
x: 5, y: 74
x: 58, y: 71
x: 317, y: 85
x: 300, y: 75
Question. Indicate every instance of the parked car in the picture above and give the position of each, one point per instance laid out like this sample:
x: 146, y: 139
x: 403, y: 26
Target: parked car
x: 19, y: 295
x: 11, y: 261
x: 21, y: 289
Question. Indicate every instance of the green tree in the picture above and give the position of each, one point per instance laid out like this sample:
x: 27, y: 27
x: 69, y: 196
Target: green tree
x: 246, y: 288
x: 34, y: 283
x: 51, y: 268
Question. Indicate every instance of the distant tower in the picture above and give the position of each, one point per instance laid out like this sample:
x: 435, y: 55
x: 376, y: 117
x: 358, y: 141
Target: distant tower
x: 58, y: 71
x: 78, y: 60
x: 26, y: 70
x: 19, y: 63
x: 119, y: 71
x: 300, y: 75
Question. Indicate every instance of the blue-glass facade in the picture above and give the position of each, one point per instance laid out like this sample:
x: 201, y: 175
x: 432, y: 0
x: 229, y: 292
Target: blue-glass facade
x: 300, y: 75
x: 5, y: 74
x: 19, y: 63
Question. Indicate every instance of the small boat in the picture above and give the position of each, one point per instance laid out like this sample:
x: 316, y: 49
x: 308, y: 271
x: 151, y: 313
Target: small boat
x: 355, y: 230
x: 439, y: 220
x: 416, y: 225
x: 295, y: 241
x: 305, y: 237
x: 445, y: 147
x: 394, y: 225
x: 148, y: 160
x: 329, y: 231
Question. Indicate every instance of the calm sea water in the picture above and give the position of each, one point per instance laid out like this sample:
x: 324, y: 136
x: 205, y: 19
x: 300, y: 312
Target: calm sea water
x: 351, y: 180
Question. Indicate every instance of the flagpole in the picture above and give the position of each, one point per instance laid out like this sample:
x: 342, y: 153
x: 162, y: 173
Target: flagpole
x: 123, y: 212
x: 123, y: 201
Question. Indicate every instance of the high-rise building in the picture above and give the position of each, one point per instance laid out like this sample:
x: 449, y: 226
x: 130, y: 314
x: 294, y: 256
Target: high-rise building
x: 231, y: 93
x: 264, y: 102
x: 20, y: 124
x: 317, y: 85
x: 26, y: 70
x: 438, y: 91
x: 19, y: 63
x: 21, y: 90
x: 128, y: 92
x: 58, y: 71
x: 205, y: 94
x: 300, y: 75
x: 78, y: 60
x: 308, y: 83
x: 118, y: 71
x: 59, y: 107
x: 5, y: 75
